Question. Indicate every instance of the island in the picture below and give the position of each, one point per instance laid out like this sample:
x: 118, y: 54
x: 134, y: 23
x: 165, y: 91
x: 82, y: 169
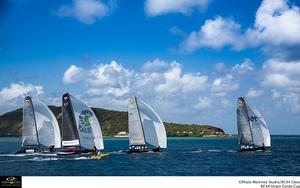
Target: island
x: 112, y: 123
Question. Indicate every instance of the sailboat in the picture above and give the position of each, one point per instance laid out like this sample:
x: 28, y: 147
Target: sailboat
x: 81, y: 131
x: 252, y: 128
x: 145, y: 128
x: 40, y: 132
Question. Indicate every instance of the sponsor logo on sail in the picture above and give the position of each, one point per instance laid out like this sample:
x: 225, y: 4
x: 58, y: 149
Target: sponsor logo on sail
x: 252, y: 119
x: 85, y: 121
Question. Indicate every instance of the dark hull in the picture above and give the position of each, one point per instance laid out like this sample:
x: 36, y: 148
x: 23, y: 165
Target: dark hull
x: 137, y: 151
x: 35, y: 150
x: 144, y: 151
x: 253, y: 149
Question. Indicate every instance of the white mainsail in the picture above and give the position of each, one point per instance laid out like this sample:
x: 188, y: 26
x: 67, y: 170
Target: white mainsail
x: 243, y: 125
x: 29, y: 131
x: 252, y: 128
x: 145, y: 126
x: 39, y: 125
x: 136, y: 133
x: 88, y: 127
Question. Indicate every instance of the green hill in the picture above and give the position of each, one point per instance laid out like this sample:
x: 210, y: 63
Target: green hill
x: 112, y: 122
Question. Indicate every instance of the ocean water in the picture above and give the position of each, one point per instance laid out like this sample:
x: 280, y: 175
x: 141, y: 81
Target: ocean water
x: 185, y: 156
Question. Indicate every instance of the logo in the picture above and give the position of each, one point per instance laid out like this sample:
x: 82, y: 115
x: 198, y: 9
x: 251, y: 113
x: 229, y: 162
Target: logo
x: 10, y: 181
x: 85, y: 121
x: 252, y: 119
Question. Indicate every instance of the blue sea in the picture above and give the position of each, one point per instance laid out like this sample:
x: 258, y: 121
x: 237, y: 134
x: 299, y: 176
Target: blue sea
x: 185, y: 156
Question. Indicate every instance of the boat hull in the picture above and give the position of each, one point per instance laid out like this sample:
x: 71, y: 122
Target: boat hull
x: 252, y: 149
x: 74, y: 152
x: 143, y: 151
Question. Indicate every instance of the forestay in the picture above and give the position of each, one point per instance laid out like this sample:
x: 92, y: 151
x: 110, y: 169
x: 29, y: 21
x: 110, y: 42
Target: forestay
x: 88, y: 127
x: 154, y: 130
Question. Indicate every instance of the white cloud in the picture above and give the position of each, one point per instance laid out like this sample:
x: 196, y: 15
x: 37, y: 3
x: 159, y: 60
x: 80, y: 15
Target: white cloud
x: 158, y: 80
x: 85, y: 11
x: 18, y: 90
x: 245, y: 67
x: 282, y: 74
x: 112, y: 75
x: 275, y: 94
x: 276, y: 29
x: 221, y: 85
x: 72, y: 75
x: 174, y: 81
x: 203, y: 103
x: 272, y: 15
x: 155, y: 65
x: 220, y: 67
x: 289, y: 67
x: 278, y: 80
x: 252, y: 93
x: 292, y: 101
x: 215, y: 33
x: 159, y: 7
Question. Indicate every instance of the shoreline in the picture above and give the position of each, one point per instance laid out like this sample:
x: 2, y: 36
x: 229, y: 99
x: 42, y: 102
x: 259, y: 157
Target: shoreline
x: 171, y: 137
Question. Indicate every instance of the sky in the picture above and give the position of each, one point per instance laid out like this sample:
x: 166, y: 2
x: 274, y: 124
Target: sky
x: 188, y: 59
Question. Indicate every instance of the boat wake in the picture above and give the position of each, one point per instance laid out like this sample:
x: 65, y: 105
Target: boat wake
x: 44, y: 159
x: 26, y: 154
x: 80, y: 158
x: 12, y: 155
x: 118, y: 152
x: 211, y: 151
x: 197, y: 151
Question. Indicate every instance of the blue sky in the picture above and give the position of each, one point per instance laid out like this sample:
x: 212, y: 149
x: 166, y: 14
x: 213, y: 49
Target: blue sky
x: 189, y: 59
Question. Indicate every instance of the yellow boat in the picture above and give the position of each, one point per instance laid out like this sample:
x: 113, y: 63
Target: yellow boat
x: 102, y: 155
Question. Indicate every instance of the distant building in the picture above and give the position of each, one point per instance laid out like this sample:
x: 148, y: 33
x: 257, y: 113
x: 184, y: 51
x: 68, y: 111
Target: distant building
x: 122, y: 134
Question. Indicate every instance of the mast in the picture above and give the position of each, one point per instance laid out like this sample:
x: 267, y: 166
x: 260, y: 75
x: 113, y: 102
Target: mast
x: 137, y: 106
x: 36, y: 130
x: 62, y: 124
